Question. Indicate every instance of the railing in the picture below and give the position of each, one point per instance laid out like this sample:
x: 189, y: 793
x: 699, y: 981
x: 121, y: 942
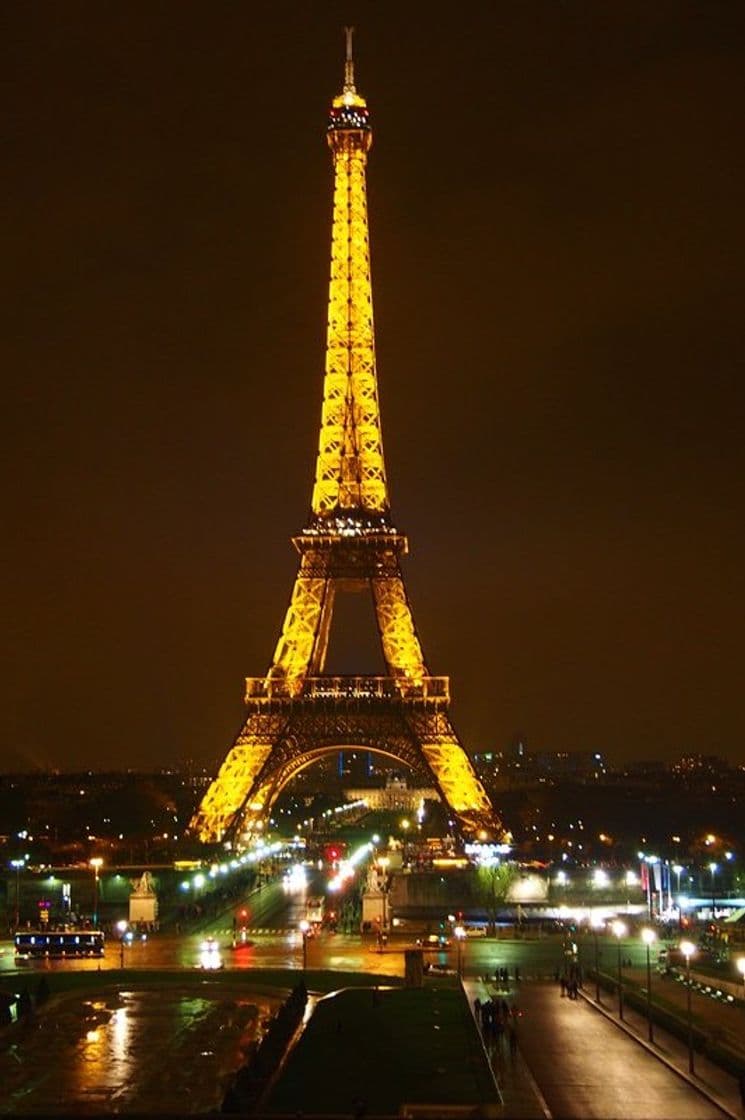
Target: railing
x: 347, y: 690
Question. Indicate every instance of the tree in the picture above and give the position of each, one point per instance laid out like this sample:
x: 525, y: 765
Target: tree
x: 493, y: 883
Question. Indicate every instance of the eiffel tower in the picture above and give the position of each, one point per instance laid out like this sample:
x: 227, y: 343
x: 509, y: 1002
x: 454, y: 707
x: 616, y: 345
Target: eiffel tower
x: 296, y: 714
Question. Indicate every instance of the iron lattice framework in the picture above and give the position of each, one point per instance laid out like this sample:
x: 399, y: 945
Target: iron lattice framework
x: 296, y: 714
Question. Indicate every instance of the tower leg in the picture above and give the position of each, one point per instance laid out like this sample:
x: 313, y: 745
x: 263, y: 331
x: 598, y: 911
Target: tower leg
x: 225, y: 801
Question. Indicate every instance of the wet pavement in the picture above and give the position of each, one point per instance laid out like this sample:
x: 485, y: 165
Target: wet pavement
x: 149, y: 1051
x: 586, y: 1067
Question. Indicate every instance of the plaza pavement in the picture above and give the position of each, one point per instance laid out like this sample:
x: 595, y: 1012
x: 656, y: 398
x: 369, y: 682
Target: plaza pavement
x: 575, y: 1061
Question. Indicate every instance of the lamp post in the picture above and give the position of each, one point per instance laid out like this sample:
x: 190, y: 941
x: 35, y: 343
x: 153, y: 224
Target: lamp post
x: 96, y: 863
x: 677, y: 868
x: 648, y: 936
x: 687, y: 948
x: 713, y: 867
x: 18, y: 865
x: 597, y: 923
x: 304, y: 927
x: 620, y: 931
x: 460, y: 933
x: 121, y: 925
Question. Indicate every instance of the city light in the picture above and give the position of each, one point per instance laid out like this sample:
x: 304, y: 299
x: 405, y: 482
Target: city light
x: 295, y: 879
x: 96, y: 863
x: 687, y: 948
x: 347, y: 867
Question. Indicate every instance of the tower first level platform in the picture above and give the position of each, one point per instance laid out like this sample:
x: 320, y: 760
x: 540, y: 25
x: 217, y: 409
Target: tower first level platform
x: 407, y: 721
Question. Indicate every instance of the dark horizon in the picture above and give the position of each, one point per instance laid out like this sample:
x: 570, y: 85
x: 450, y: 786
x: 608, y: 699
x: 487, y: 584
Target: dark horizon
x: 557, y: 237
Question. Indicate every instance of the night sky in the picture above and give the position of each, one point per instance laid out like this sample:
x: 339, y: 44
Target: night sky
x: 556, y: 204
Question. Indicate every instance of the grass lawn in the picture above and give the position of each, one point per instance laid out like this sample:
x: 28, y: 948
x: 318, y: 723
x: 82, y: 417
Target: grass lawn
x: 406, y: 1045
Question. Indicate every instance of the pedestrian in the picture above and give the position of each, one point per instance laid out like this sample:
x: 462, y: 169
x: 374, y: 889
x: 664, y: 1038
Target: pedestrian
x: 517, y: 973
x: 477, y: 1010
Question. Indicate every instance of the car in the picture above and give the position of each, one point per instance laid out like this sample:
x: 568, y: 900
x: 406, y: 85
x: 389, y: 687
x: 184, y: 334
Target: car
x: 440, y: 969
x: 433, y: 941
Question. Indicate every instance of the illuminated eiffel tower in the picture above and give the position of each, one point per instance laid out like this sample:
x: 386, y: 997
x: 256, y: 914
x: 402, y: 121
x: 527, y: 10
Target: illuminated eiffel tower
x: 296, y: 714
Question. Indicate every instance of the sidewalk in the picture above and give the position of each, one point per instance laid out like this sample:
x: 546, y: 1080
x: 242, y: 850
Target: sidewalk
x: 715, y: 1083
x: 522, y: 1099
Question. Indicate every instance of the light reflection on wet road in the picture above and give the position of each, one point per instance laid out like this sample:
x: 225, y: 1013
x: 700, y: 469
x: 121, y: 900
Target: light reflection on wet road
x: 344, y: 952
x: 146, y: 1051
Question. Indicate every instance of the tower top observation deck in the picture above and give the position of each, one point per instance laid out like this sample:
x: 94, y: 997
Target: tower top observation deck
x: 349, y: 112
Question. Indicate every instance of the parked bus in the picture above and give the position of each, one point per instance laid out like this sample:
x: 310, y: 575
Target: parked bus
x: 73, y: 943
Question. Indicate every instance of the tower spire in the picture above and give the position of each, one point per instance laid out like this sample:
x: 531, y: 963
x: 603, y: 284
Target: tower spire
x: 350, y: 479
x: 349, y: 63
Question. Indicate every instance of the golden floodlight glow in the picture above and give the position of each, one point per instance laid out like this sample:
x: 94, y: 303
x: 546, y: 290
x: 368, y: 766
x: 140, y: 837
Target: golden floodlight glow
x: 297, y: 713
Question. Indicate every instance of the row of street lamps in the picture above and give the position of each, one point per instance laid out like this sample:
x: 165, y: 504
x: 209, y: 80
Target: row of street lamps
x: 19, y: 865
x: 687, y: 949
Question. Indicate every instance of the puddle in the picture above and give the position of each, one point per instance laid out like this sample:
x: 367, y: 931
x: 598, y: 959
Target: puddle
x: 133, y: 1051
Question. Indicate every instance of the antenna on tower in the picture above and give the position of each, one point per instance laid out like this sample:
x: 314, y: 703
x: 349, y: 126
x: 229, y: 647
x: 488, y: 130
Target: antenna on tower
x: 349, y: 63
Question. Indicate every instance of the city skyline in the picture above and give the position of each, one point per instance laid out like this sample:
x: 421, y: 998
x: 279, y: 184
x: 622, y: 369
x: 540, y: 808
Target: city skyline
x: 556, y: 238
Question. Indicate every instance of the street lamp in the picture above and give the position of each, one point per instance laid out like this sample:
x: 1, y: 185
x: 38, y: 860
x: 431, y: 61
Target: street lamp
x: 678, y: 869
x: 620, y: 931
x: 648, y: 936
x: 713, y: 867
x: 304, y: 927
x: 460, y: 933
x: 96, y: 863
x: 597, y: 923
x: 687, y: 948
x: 121, y: 925
x: 18, y: 865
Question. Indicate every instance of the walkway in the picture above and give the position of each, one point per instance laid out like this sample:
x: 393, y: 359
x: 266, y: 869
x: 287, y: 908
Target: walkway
x: 713, y: 1080
x: 575, y: 1061
x: 522, y: 1097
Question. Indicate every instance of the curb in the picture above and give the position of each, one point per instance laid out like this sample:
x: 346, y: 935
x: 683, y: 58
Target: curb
x: 716, y: 1101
